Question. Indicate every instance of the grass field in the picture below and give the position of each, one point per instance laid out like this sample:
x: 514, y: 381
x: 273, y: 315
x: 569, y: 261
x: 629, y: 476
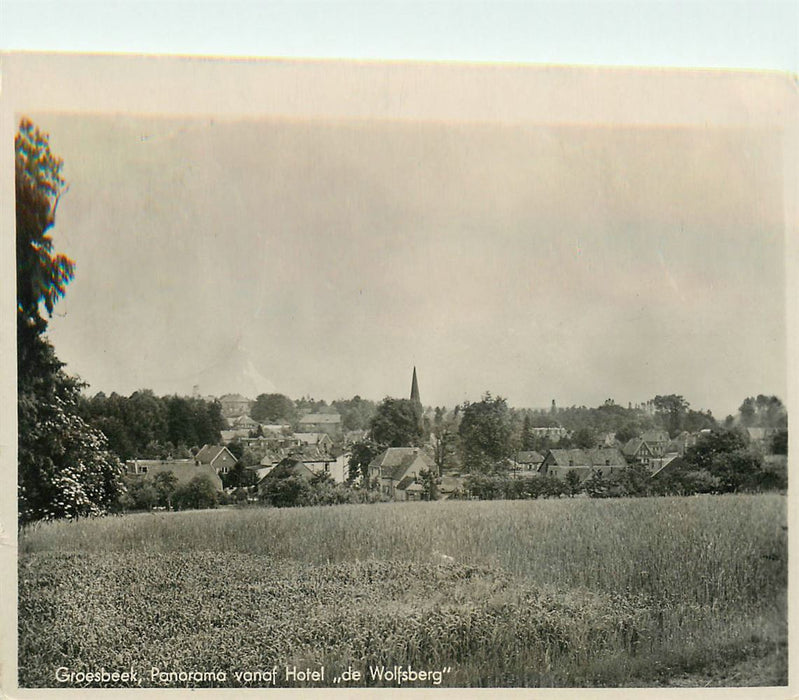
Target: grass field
x: 550, y: 593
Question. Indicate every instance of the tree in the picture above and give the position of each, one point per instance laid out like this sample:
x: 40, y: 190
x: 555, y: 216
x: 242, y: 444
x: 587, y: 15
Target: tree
x: 598, y: 486
x: 397, y: 423
x: 273, y: 408
x: 355, y: 412
x: 528, y: 439
x: 430, y: 481
x: 737, y: 470
x: 236, y: 448
x: 779, y: 443
x: 239, y: 476
x: 584, y: 438
x: 284, y: 489
x: 763, y: 411
x: 361, y: 457
x: 627, y: 432
x: 42, y: 275
x: 573, y: 483
x: 165, y: 484
x: 64, y: 466
x: 444, y: 440
x: 694, y: 421
x: 485, y: 434
x: 198, y: 493
x: 700, y: 455
x: 671, y: 409
x: 139, y: 493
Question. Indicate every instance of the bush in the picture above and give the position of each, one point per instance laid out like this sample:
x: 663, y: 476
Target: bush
x: 198, y: 493
x: 139, y: 493
x: 284, y: 491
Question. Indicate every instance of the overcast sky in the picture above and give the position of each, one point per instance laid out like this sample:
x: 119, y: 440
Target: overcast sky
x: 327, y: 259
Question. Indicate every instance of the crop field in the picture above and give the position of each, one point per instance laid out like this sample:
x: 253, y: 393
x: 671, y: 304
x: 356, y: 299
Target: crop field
x: 546, y: 593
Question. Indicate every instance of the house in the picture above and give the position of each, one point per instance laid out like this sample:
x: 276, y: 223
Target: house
x: 552, y: 433
x: 668, y: 465
x: 320, y: 440
x: 329, y: 423
x: 608, y: 440
x: 637, y: 451
x: 272, y: 457
x: 353, y: 436
x: 397, y: 468
x: 603, y: 460
x: 260, y: 471
x: 528, y: 461
x: 220, y: 458
x: 289, y: 466
x: 234, y: 405
x: 243, y: 423
x: 681, y: 443
x: 313, y: 458
x: 340, y: 468
x: 276, y: 429
x: 656, y: 440
x: 184, y: 470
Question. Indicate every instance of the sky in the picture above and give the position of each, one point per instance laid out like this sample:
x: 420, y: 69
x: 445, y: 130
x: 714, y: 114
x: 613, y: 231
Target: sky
x: 325, y: 257
x: 328, y: 258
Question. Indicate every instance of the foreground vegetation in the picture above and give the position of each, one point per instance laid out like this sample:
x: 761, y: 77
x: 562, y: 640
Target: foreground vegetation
x: 573, y: 592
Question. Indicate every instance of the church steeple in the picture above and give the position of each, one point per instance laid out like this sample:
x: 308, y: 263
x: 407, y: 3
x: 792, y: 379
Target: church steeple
x: 415, y: 389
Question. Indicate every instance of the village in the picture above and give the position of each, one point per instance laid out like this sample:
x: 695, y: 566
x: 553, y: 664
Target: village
x: 317, y: 446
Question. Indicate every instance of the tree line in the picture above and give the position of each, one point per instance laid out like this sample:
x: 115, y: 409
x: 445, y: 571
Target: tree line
x: 722, y: 461
x: 146, y: 426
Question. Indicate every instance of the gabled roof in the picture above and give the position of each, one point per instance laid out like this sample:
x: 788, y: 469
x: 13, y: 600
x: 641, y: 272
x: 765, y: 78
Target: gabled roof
x: 244, y: 421
x: 670, y: 464
x: 294, y: 466
x: 655, y: 435
x: 210, y: 452
x: 260, y: 472
x: 395, y: 461
x: 569, y: 458
x: 312, y: 438
x: 633, y: 446
x: 311, y: 453
x: 607, y: 456
x: 321, y: 419
x: 271, y: 457
x: 529, y: 457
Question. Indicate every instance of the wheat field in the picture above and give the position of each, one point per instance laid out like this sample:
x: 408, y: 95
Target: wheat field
x: 545, y: 593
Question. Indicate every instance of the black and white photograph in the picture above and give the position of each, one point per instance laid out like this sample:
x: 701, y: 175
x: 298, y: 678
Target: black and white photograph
x: 373, y: 375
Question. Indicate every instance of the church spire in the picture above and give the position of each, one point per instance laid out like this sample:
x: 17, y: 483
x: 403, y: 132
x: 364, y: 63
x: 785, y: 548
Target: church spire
x: 415, y: 389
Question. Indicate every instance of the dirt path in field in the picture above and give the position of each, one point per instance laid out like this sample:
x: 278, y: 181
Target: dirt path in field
x: 765, y: 671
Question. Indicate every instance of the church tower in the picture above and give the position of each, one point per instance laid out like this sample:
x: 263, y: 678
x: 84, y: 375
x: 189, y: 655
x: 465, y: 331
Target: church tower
x: 415, y: 390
